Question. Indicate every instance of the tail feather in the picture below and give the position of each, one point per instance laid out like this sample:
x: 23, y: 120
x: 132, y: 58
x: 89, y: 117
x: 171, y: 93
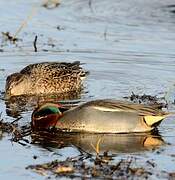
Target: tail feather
x: 151, y: 120
x: 77, y: 68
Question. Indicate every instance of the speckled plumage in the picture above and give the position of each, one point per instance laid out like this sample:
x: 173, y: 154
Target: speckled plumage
x: 45, y: 78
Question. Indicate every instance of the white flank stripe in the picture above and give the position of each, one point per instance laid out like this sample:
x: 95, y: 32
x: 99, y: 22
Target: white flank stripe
x: 107, y: 109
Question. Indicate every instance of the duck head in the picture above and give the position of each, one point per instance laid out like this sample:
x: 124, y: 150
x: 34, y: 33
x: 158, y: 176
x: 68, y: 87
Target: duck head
x: 46, y: 116
x: 16, y: 84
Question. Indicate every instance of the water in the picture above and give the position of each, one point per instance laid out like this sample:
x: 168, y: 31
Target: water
x: 125, y: 45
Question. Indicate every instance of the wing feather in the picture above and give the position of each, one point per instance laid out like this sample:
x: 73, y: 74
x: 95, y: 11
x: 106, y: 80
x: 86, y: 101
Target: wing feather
x: 115, y: 105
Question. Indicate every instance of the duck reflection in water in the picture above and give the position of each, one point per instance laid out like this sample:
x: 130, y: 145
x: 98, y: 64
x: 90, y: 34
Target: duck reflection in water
x: 113, y: 143
x: 18, y: 104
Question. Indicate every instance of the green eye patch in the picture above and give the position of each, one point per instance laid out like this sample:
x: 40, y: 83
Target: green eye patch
x: 46, y: 111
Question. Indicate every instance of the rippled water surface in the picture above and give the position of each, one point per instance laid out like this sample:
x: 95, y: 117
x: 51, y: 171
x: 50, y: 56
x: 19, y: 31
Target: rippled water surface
x: 125, y: 45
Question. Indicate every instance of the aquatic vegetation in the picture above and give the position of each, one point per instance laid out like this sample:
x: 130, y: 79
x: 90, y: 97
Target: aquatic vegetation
x: 88, y: 166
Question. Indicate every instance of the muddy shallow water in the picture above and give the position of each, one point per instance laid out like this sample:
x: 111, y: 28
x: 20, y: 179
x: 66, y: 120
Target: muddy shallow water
x: 125, y: 45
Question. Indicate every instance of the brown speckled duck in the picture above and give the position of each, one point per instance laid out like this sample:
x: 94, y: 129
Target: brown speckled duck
x: 45, y: 78
x: 99, y: 116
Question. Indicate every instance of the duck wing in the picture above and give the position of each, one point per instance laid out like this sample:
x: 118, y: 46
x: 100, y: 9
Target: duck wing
x: 115, y: 105
x: 55, y: 70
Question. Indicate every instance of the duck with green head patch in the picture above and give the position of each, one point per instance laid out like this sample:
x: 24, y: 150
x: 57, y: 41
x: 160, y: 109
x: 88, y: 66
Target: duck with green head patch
x: 100, y: 116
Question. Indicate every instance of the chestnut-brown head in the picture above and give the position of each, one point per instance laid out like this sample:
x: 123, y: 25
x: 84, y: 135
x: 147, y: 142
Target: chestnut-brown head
x: 46, y: 116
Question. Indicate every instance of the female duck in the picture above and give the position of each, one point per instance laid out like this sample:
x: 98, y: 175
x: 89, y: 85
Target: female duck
x: 45, y: 78
x: 99, y: 116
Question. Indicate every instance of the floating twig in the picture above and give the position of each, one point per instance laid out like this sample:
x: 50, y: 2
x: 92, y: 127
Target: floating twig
x: 17, y: 119
x: 97, y: 148
x: 34, y: 43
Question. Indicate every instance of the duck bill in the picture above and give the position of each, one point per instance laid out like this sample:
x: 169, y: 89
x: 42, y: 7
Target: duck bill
x: 7, y: 95
x: 153, y: 121
x: 44, y: 123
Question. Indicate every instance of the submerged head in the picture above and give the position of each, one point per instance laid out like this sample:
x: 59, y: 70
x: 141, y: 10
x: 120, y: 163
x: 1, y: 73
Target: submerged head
x: 16, y: 84
x: 46, y: 116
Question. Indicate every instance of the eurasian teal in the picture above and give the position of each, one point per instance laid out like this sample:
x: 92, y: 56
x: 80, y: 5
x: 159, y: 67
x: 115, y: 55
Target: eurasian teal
x: 45, y: 78
x: 99, y: 116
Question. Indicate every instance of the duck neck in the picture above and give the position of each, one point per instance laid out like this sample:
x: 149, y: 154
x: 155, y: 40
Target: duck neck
x: 45, y: 122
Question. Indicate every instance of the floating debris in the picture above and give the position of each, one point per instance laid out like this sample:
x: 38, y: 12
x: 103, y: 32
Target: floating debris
x: 51, y: 4
x: 18, y: 133
x: 34, y: 44
x: 82, y: 168
x: 172, y: 175
x: 59, y: 28
x: 8, y: 37
x: 64, y: 169
x: 147, y: 100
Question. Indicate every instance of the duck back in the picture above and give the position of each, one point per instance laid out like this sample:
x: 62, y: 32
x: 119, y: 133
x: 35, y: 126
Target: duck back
x: 93, y: 120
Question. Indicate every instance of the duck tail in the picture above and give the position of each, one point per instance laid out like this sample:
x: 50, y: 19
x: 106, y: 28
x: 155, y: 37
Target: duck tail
x: 151, y: 120
x: 75, y: 63
x: 76, y: 66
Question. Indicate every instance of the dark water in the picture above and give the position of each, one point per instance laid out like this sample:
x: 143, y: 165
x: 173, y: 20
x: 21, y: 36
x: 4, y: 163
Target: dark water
x: 125, y: 45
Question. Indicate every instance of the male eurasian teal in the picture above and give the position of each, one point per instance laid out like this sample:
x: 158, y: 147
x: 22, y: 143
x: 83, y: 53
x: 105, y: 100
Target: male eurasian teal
x: 115, y: 143
x: 99, y: 116
x: 45, y: 78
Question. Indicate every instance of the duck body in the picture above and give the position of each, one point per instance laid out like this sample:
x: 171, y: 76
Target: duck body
x: 107, y: 116
x: 94, y: 120
x: 45, y: 78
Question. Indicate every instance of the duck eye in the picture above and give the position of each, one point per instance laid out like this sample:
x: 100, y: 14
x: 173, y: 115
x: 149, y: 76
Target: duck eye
x: 47, y: 111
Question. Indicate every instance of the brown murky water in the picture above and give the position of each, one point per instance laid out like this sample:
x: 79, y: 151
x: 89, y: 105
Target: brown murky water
x: 125, y: 45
